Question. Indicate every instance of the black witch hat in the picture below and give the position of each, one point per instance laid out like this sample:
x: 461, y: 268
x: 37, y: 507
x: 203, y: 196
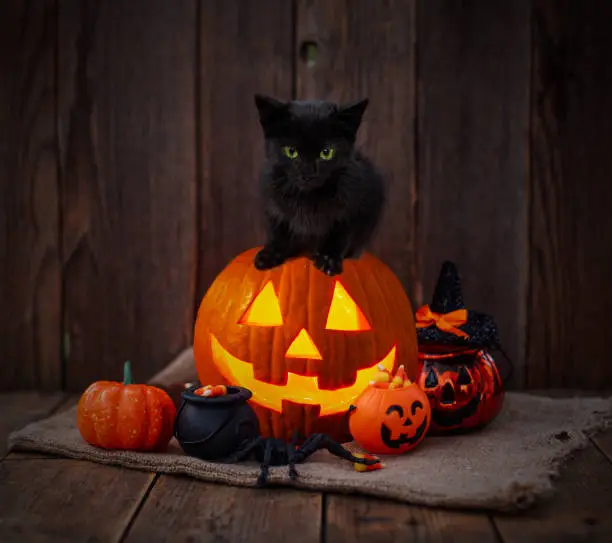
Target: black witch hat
x: 447, y: 322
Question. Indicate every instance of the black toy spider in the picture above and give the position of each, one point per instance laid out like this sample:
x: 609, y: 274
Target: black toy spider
x: 276, y: 452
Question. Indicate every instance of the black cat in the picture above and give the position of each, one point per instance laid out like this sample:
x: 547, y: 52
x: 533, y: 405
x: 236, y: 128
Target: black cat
x: 322, y: 198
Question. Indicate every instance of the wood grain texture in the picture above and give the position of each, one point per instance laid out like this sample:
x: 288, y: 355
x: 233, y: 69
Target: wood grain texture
x: 358, y: 519
x: 245, y: 48
x: 580, y: 511
x: 30, y: 263
x: 604, y: 443
x: 570, y: 298
x: 67, y: 500
x: 21, y: 408
x: 182, y: 509
x: 127, y: 134
x: 367, y: 49
x: 473, y: 110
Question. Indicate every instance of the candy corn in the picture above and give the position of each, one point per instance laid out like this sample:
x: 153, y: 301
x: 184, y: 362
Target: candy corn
x: 400, y: 374
x: 384, y: 379
x: 381, y: 377
x: 211, y: 391
x: 365, y: 467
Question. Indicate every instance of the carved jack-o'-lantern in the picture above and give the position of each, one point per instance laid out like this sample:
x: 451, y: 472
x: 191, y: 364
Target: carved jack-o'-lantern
x: 390, y: 420
x: 304, y: 343
x: 456, y: 370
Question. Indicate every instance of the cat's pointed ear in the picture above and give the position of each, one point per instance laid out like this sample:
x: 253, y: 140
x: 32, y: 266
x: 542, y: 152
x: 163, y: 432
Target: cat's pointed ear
x: 351, y: 114
x: 270, y: 109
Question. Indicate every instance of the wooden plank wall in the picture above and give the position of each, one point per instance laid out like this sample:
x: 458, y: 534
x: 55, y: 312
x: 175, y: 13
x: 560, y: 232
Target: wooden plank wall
x: 129, y: 147
x: 30, y: 222
x: 570, y: 249
x: 126, y: 101
x: 474, y: 60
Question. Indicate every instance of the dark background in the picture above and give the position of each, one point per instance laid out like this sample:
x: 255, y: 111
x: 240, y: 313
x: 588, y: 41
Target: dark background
x: 129, y: 147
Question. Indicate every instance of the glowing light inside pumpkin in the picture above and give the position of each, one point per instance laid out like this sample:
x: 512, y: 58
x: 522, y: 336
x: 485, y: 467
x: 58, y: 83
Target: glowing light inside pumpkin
x: 299, y: 388
x: 264, y: 310
x: 303, y: 347
x: 344, y: 314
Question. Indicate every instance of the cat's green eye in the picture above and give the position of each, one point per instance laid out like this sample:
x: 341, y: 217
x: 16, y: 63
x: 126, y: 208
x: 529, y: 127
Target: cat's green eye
x: 327, y: 153
x: 290, y: 152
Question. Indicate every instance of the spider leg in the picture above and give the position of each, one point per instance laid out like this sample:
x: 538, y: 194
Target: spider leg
x: 292, y: 472
x: 323, y: 441
x: 307, y: 448
x: 293, y: 458
x: 263, y: 475
x: 245, y: 450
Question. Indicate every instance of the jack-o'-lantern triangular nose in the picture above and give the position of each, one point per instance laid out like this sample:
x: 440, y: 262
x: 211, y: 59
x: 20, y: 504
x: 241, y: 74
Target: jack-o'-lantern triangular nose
x: 303, y: 347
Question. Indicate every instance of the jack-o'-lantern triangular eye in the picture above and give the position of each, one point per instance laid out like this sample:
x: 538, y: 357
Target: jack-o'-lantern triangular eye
x: 464, y: 377
x: 344, y: 313
x: 264, y: 309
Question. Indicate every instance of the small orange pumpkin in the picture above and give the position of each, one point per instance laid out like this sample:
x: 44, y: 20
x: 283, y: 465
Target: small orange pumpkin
x: 114, y: 415
x: 390, y: 419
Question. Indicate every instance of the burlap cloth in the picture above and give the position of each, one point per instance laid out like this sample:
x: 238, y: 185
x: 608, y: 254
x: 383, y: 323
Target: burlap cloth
x: 506, y: 466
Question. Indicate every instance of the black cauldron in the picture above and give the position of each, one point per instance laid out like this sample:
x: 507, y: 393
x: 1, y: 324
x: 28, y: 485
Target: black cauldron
x: 212, y: 428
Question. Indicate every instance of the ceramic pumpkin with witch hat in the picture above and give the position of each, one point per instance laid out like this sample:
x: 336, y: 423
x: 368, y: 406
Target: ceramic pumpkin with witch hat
x: 456, y: 369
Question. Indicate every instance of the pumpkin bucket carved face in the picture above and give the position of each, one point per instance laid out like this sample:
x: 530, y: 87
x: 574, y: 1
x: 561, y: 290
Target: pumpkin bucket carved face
x: 390, y: 421
x: 305, y: 344
x: 464, y: 388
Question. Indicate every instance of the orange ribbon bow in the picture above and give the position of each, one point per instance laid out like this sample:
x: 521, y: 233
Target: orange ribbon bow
x: 447, y: 322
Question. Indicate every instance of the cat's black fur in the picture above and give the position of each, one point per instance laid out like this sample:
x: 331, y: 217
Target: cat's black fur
x: 327, y: 210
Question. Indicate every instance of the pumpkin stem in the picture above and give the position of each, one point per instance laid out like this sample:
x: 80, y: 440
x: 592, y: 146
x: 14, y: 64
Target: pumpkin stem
x: 127, y: 373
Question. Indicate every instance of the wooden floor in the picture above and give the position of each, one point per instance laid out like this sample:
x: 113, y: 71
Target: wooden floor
x: 44, y: 498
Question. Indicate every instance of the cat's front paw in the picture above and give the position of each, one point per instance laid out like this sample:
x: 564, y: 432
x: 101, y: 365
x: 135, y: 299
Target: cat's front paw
x: 268, y: 258
x: 328, y: 264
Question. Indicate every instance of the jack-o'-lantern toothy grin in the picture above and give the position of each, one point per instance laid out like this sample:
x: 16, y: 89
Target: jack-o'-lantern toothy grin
x: 299, y: 388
